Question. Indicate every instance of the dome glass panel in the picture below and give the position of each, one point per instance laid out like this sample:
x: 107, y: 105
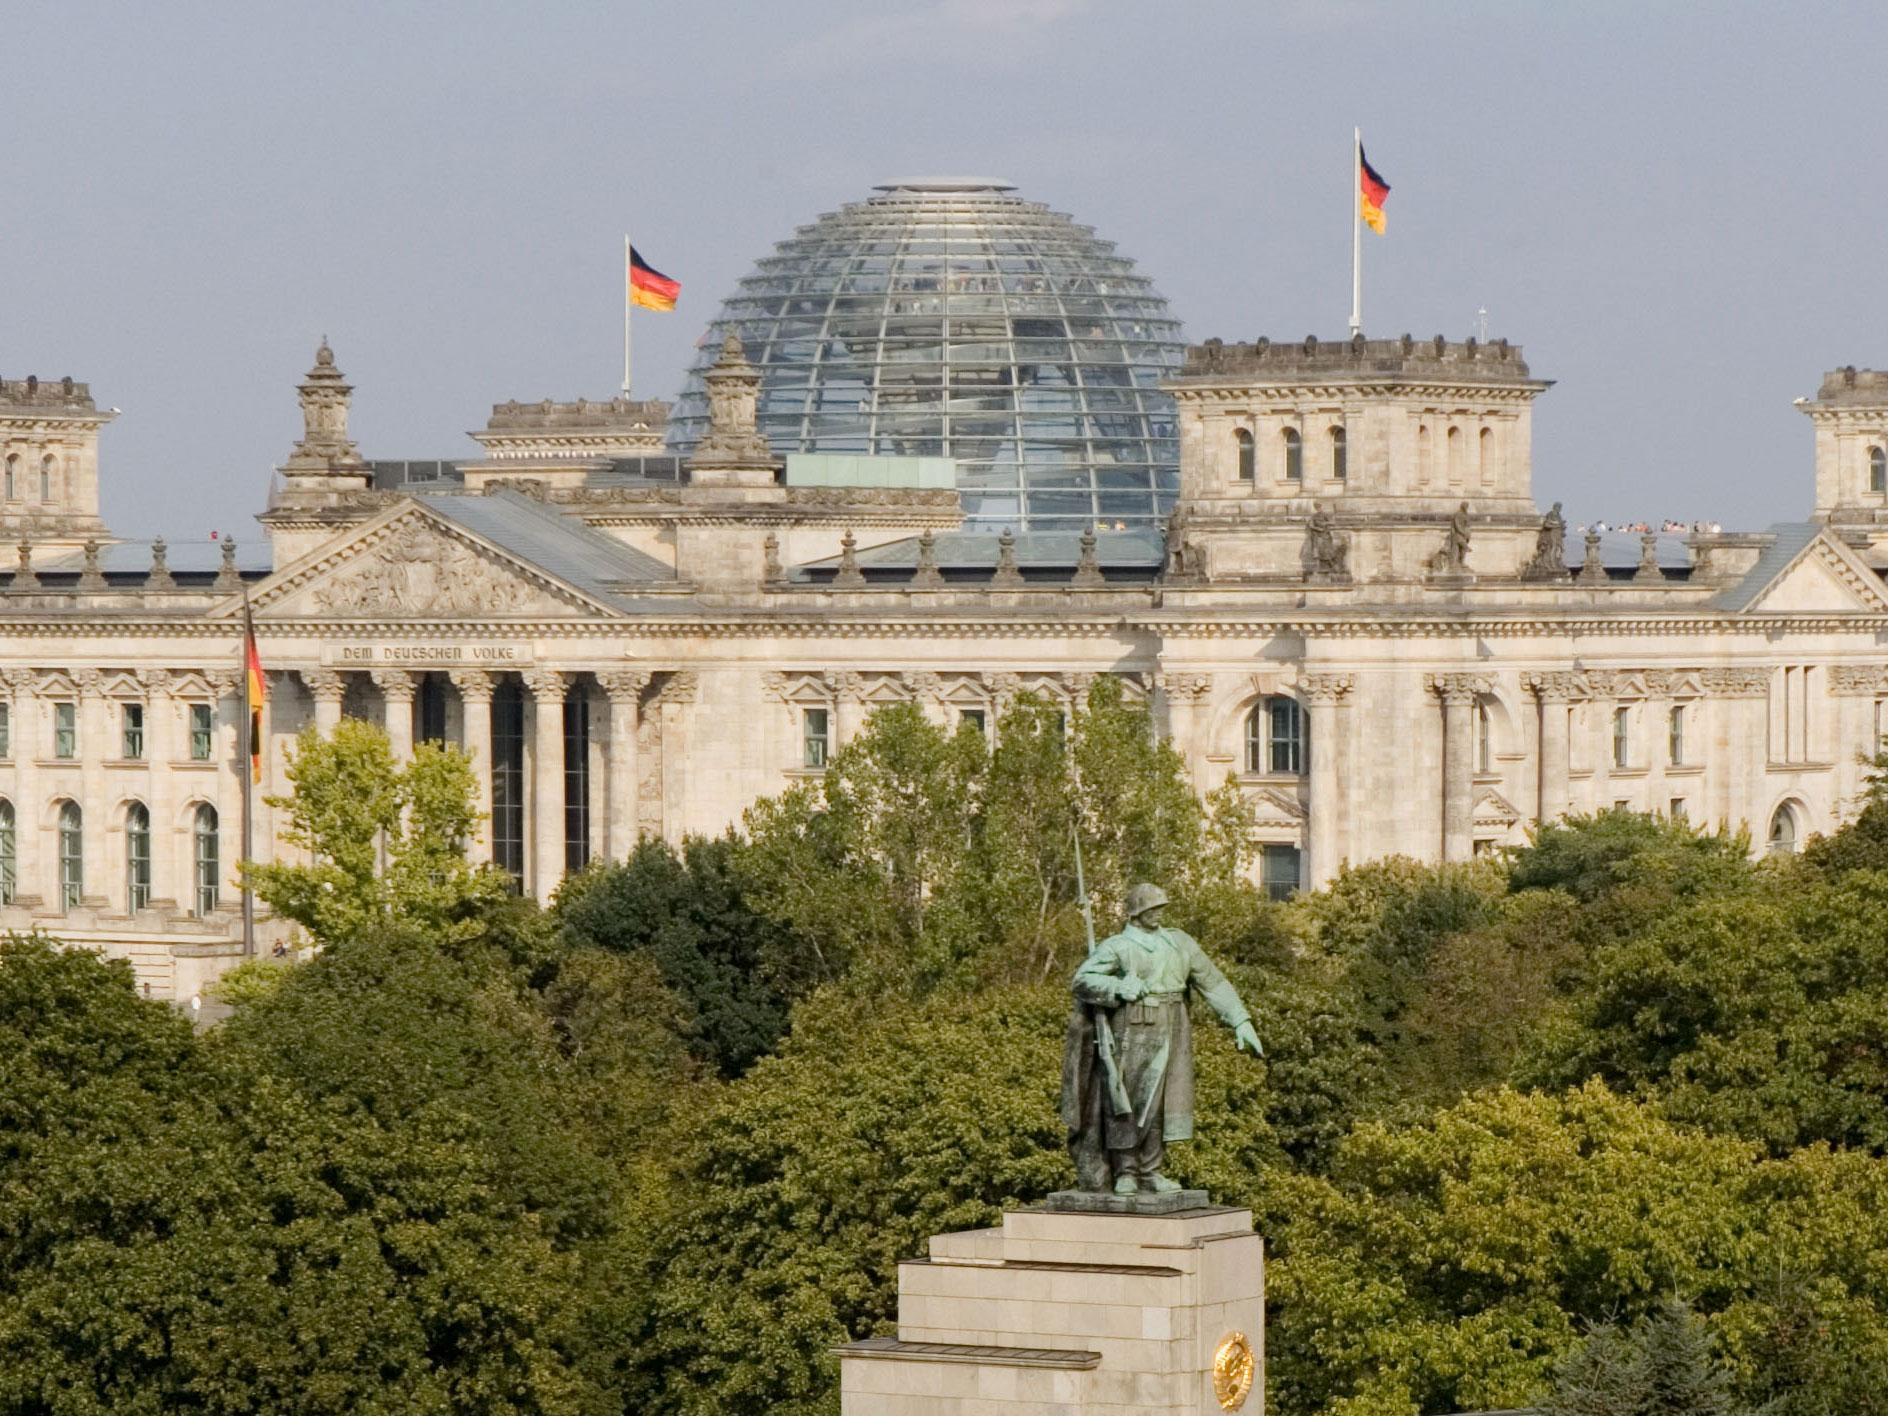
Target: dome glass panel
x: 949, y: 317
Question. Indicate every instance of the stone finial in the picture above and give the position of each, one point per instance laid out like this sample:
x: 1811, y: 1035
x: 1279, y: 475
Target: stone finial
x: 1087, y: 563
x: 25, y: 577
x: 92, y: 577
x: 849, y: 577
x: 927, y: 572
x: 226, y: 574
x: 770, y: 572
x: 160, y: 577
x: 325, y: 398
x: 1648, y: 570
x: 1592, y: 572
x: 733, y: 439
x: 1006, y: 569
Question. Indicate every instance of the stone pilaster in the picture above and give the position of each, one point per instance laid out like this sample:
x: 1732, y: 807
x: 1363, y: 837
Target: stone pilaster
x: 848, y: 690
x: 548, y: 688
x: 1458, y: 693
x: 95, y: 746
x: 1183, y: 696
x: 1326, y: 697
x: 1740, y: 700
x: 1554, y: 692
x: 475, y: 697
x: 624, y: 688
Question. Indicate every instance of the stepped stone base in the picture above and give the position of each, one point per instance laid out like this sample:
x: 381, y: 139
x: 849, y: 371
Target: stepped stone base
x: 1107, y: 1202
x: 1085, y: 1312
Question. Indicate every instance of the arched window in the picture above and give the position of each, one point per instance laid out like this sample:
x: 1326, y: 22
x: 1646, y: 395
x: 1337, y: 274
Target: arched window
x: 1275, y: 737
x: 9, y: 854
x: 1783, y: 831
x: 1425, y: 458
x: 1294, y: 456
x: 206, y: 858
x: 1455, y: 456
x: 1878, y: 469
x: 13, y: 477
x: 71, y: 856
x: 1484, y: 456
x: 1484, y: 739
x: 137, y: 857
x: 1339, y: 455
x: 1248, y: 455
x: 45, y: 478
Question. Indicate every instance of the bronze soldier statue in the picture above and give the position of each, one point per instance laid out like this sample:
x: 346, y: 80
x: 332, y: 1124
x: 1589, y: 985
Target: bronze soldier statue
x: 1127, y: 1069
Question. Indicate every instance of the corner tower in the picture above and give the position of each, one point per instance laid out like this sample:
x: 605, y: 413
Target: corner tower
x: 1850, y: 414
x: 1390, y: 437
x: 325, y: 482
x: 49, y: 456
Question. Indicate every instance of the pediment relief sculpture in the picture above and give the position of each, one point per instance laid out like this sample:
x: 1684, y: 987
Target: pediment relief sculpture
x: 416, y: 569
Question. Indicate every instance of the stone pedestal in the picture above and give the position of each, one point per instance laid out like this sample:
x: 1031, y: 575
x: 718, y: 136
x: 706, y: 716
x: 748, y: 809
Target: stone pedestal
x: 1068, y: 1313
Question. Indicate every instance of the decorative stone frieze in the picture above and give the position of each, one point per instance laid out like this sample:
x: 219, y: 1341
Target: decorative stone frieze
x: 1325, y: 688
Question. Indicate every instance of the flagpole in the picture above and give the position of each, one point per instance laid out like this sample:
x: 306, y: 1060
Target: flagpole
x: 246, y: 768
x: 626, y: 304
x: 1356, y: 233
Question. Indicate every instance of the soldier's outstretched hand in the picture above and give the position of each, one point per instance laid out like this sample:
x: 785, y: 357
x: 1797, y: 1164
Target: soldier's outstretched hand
x: 1246, y: 1037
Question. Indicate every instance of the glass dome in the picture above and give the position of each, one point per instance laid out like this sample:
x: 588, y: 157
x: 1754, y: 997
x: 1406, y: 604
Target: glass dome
x: 949, y: 317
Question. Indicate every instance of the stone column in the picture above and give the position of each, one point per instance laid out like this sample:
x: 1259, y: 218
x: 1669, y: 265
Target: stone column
x: 163, y: 748
x: 328, y: 688
x: 1555, y: 692
x: 397, y: 687
x: 677, y: 694
x: 25, y: 730
x: 927, y: 691
x: 226, y: 713
x: 475, y: 694
x: 1855, y: 689
x: 1741, y: 700
x: 1185, y: 696
x: 548, y: 688
x: 1457, y: 692
x: 1324, y: 695
x: 95, y: 745
x: 624, y: 688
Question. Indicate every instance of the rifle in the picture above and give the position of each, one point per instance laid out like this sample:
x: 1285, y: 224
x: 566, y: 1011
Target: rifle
x: 1118, y: 1102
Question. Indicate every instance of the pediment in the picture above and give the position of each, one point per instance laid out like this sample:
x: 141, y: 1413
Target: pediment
x: 1493, y: 809
x: 1271, y: 807
x: 412, y: 564
x: 1825, y: 577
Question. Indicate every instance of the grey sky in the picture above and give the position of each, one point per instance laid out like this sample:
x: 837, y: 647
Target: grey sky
x: 1678, y: 210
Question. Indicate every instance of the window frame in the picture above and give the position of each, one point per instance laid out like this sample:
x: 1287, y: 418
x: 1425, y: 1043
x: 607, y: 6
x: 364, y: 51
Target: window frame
x: 1622, y: 737
x: 1340, y: 453
x: 1277, y: 731
x: 65, y: 730
x: 1248, y: 455
x: 1675, y: 735
x: 1274, y: 887
x: 1294, y: 455
x: 9, y: 852
x: 1878, y: 470
x: 71, y: 855
x: 206, y: 861
x: 131, y: 731
x: 816, y: 747
x: 137, y: 857
x: 202, y: 732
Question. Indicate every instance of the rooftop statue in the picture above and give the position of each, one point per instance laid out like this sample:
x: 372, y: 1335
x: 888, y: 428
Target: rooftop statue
x: 1127, y: 1067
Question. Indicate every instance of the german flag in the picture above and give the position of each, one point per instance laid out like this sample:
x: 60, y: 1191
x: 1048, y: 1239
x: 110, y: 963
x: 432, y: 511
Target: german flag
x: 648, y: 286
x: 255, y: 692
x: 1373, y: 191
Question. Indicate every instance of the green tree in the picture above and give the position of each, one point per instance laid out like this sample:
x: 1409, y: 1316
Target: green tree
x: 727, y: 964
x: 387, y: 840
x: 1861, y: 844
x: 1665, y: 1364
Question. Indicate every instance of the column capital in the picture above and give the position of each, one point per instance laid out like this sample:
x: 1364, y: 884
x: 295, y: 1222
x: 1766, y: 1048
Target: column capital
x: 1189, y: 687
x: 396, y: 685
x: 1076, y: 686
x: 624, y: 685
x: 1456, y: 689
x: 1003, y: 688
x: 326, y: 685
x: 846, y: 685
x: 1658, y: 683
x: 1736, y: 683
x: 224, y: 682
x: 547, y: 684
x: 156, y: 683
x: 1551, y: 687
x: 86, y: 681
x: 924, y: 686
x: 679, y: 687
x: 21, y: 681
x: 474, y: 685
x: 1326, y: 688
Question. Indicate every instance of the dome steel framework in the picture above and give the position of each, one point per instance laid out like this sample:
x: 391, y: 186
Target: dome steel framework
x: 950, y: 317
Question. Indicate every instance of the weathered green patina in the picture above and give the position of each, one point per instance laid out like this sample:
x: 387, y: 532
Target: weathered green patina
x: 1131, y: 1024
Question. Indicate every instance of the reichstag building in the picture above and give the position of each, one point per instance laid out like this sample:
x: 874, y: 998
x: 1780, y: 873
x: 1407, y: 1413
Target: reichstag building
x: 943, y: 446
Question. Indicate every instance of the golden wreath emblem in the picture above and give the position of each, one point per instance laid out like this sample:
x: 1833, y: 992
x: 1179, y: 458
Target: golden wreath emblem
x: 1232, y: 1371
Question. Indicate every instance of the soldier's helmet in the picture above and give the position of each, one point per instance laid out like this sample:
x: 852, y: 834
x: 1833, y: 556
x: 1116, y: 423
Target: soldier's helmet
x: 1144, y: 897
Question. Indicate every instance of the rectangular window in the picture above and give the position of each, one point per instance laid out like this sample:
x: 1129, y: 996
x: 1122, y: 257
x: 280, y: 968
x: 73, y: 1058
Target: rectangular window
x: 1278, y: 871
x: 1677, y: 810
x: 202, y: 723
x: 6, y: 729
x: 1622, y: 737
x: 133, y: 732
x: 1678, y: 735
x: 432, y: 709
x: 1484, y: 740
x: 814, y: 738
x: 576, y: 781
x: 972, y: 718
x: 1622, y: 805
x: 65, y: 731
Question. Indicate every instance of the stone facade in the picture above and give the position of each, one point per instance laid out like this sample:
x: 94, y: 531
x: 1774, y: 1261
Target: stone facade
x: 1358, y: 613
